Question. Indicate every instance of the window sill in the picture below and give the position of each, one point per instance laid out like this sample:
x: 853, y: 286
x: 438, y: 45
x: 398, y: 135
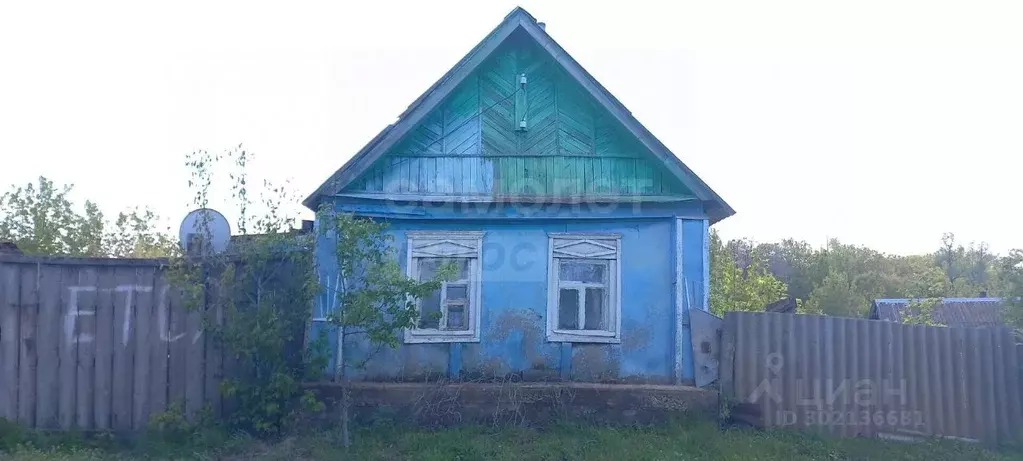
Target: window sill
x: 440, y: 337
x: 605, y: 338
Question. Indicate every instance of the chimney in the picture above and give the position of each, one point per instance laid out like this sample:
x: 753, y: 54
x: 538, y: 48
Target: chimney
x: 983, y: 294
x: 543, y: 25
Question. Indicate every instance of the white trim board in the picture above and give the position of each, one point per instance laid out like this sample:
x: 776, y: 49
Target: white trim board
x: 454, y: 244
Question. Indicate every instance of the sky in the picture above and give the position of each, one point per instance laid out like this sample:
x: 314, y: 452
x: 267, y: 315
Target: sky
x: 882, y: 123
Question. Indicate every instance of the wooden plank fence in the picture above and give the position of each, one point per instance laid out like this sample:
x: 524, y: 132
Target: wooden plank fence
x: 99, y: 344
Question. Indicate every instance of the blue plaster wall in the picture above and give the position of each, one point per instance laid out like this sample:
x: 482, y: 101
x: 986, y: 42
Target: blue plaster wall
x: 694, y: 278
x: 693, y: 257
x: 514, y: 294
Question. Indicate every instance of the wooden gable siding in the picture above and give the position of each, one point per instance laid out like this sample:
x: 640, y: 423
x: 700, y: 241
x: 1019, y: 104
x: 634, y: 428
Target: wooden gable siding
x: 470, y: 147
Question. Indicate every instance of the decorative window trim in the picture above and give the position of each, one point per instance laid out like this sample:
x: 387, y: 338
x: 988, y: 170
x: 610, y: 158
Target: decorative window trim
x: 448, y: 244
x: 582, y: 247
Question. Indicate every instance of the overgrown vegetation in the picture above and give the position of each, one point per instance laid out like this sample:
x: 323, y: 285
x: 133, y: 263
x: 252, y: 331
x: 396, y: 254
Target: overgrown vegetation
x: 921, y: 312
x: 1012, y: 279
x: 735, y: 288
x: 255, y: 298
x: 685, y: 440
x: 378, y: 299
x: 842, y: 279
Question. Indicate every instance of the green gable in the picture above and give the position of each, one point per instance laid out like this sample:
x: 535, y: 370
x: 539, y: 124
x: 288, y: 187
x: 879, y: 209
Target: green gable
x: 518, y: 118
x: 474, y: 144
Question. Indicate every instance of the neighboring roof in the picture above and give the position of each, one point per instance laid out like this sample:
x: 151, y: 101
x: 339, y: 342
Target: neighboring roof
x: 953, y: 312
x: 715, y: 206
x: 8, y: 247
x: 782, y: 306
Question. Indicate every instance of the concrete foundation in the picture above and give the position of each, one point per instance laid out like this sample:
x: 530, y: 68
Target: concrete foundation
x: 532, y: 404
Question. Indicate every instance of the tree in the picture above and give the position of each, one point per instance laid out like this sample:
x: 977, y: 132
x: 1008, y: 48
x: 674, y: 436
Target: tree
x: 135, y: 236
x: 795, y: 263
x: 921, y: 312
x: 42, y: 219
x: 376, y: 301
x: 734, y: 288
x: 837, y: 296
x: 1011, y: 275
x: 254, y: 299
x: 842, y: 279
x: 967, y: 268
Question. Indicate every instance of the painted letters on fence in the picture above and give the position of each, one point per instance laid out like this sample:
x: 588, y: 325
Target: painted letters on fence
x: 99, y: 344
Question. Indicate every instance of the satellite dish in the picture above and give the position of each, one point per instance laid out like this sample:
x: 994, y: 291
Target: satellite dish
x: 204, y: 232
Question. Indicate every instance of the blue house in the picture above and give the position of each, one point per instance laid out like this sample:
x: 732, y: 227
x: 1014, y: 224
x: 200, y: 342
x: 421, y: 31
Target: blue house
x: 582, y: 241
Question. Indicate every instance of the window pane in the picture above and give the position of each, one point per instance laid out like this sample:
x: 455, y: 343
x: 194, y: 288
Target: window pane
x: 457, y: 320
x: 428, y: 268
x: 572, y: 271
x: 457, y: 292
x: 429, y: 311
x: 595, y: 309
x: 461, y: 268
x: 568, y: 309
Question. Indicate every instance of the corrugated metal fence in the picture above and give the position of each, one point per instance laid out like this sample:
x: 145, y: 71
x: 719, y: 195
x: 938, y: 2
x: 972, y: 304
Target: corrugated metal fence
x: 99, y: 344
x: 867, y: 377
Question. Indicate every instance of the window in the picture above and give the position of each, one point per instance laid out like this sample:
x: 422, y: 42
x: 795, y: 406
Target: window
x: 584, y: 303
x: 451, y: 313
x: 445, y: 309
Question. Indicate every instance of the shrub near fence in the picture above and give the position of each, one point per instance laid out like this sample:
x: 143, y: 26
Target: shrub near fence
x: 869, y: 377
x: 100, y: 344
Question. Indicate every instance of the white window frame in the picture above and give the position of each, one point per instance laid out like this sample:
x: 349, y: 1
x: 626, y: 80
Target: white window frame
x: 584, y: 248
x: 448, y: 244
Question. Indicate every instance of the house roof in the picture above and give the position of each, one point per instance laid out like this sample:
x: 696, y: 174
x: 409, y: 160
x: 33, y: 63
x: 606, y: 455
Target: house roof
x: 8, y: 247
x: 953, y: 312
x: 715, y: 206
x: 782, y: 306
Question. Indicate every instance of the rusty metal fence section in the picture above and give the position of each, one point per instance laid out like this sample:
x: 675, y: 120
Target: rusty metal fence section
x: 99, y: 344
x: 856, y: 377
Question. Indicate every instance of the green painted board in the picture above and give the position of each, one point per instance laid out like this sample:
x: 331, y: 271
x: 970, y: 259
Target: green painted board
x: 571, y: 146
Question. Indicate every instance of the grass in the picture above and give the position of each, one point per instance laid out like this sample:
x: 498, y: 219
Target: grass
x: 683, y: 441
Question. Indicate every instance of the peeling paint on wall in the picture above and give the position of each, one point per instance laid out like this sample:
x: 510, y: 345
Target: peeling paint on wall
x: 638, y: 338
x: 596, y: 362
x: 514, y: 309
x: 522, y: 331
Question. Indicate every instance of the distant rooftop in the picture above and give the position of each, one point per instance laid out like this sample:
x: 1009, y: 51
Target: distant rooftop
x: 8, y: 247
x: 953, y: 312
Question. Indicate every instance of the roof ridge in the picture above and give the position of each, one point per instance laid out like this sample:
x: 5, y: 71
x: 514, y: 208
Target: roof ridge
x: 943, y: 299
x: 519, y: 10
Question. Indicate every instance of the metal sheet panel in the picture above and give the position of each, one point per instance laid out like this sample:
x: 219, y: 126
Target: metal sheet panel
x: 858, y: 377
x: 706, y: 345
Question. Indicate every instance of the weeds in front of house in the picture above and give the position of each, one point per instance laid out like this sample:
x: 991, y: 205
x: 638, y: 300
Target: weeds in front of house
x: 689, y: 440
